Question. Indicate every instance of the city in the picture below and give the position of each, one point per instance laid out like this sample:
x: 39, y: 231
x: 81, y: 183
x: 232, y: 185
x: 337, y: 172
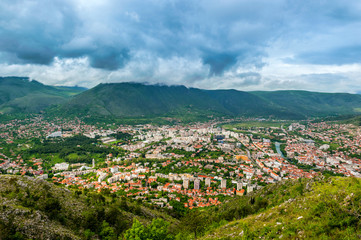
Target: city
x: 180, y: 120
x: 183, y: 166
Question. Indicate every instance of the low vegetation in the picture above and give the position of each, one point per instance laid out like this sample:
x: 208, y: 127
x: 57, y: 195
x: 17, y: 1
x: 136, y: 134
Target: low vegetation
x: 323, y: 208
x: 326, y: 208
x: 35, y: 209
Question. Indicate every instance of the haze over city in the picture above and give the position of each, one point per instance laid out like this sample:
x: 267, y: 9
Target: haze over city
x: 244, y: 45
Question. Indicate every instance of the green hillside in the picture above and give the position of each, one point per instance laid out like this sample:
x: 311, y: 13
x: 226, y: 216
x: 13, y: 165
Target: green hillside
x: 20, y: 95
x: 240, y: 103
x: 355, y: 120
x: 35, y: 209
x: 303, y: 209
x: 135, y: 100
x: 128, y: 99
x: 139, y: 100
x: 314, y: 103
x: 322, y: 208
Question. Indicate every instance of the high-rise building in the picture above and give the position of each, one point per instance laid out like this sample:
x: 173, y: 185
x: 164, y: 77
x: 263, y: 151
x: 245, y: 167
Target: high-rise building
x: 185, y: 183
x: 197, y: 183
x: 208, y: 182
x: 223, y: 183
x: 239, y: 186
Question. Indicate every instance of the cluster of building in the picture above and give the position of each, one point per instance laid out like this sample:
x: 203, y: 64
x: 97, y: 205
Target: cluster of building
x: 197, y: 165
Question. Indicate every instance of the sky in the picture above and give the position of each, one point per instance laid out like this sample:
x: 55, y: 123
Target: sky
x: 246, y: 45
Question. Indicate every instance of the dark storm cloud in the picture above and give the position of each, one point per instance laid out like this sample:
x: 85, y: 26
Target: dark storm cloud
x: 110, y: 32
x: 34, y: 30
x: 197, y: 40
x: 219, y: 62
x: 109, y: 58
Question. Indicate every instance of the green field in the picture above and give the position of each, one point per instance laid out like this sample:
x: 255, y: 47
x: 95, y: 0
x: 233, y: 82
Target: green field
x: 252, y: 124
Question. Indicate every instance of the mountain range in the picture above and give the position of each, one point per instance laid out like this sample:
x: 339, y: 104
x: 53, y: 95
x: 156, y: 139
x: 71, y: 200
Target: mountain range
x: 142, y: 100
x: 19, y: 94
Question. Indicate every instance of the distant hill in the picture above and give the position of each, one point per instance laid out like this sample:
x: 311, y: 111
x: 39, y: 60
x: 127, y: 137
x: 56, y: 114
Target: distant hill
x: 355, y: 120
x: 20, y: 95
x: 140, y: 100
x: 314, y: 103
x: 136, y: 100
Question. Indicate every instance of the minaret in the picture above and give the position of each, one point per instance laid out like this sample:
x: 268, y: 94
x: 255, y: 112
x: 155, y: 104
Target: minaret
x: 93, y: 163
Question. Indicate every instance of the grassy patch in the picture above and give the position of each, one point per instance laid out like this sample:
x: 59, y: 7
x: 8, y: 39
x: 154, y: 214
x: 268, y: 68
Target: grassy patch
x: 254, y: 124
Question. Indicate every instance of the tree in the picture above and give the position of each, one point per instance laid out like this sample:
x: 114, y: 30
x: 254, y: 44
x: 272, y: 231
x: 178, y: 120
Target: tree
x: 136, y: 232
x: 107, y: 232
x: 195, y: 222
x: 157, y: 230
x: 153, y: 184
x: 124, y: 204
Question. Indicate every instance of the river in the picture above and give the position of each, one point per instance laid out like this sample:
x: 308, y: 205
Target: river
x: 278, y: 148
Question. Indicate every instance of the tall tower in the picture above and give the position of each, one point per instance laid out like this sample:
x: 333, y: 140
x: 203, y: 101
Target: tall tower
x: 93, y: 163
